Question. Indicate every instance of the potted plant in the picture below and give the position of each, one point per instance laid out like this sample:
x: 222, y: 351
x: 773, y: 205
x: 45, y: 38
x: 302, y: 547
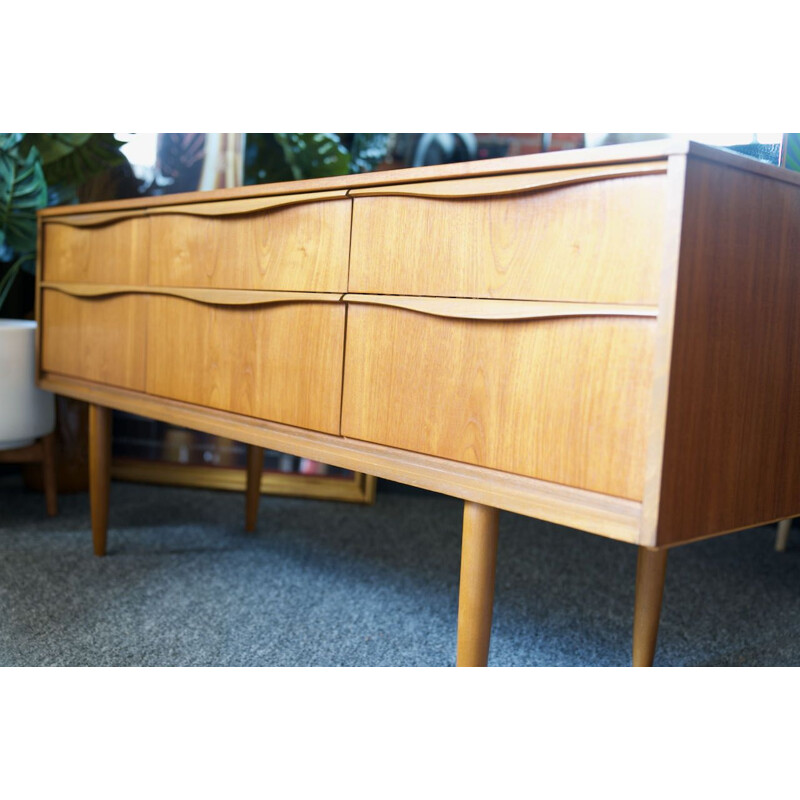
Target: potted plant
x: 36, y: 170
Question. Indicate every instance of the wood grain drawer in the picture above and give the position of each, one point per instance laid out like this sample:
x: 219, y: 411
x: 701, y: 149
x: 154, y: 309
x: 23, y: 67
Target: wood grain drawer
x: 591, y: 235
x: 98, y: 339
x: 563, y: 400
x: 279, y: 243
x: 114, y: 251
x: 280, y: 362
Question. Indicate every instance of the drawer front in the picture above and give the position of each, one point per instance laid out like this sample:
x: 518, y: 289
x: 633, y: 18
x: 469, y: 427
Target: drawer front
x: 112, y: 253
x: 98, y: 339
x: 296, y: 247
x: 599, y: 240
x: 562, y: 400
x: 278, y: 362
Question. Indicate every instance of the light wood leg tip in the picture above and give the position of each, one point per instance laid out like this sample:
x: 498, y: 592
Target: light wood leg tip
x: 651, y: 570
x: 782, y: 536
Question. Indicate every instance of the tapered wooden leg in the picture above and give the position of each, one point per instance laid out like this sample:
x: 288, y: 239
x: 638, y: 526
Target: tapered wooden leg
x: 782, y: 538
x: 255, y: 462
x: 99, y: 473
x: 476, y: 590
x: 651, y: 570
x: 49, y: 473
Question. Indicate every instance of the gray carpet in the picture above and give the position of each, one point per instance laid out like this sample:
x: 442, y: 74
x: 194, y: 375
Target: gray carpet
x: 328, y: 584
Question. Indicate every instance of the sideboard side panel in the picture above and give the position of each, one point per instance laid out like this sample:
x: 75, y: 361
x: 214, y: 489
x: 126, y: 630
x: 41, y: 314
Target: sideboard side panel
x: 732, y: 439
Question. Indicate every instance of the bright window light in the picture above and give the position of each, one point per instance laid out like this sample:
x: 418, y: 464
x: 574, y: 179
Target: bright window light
x: 727, y: 139
x: 140, y: 149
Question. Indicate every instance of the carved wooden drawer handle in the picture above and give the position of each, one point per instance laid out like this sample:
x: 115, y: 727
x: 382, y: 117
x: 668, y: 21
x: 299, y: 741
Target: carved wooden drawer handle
x: 218, y: 208
x: 469, y: 309
x: 216, y: 297
x: 514, y: 183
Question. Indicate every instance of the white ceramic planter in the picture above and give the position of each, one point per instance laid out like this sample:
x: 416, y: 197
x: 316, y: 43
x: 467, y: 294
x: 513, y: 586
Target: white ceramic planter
x: 26, y: 412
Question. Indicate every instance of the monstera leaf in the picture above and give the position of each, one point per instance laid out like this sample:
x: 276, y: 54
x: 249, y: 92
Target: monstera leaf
x: 38, y: 169
x: 23, y: 190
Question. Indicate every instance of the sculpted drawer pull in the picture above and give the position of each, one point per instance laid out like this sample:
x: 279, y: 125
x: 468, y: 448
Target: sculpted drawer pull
x: 457, y: 308
x: 216, y: 297
x: 515, y: 183
x: 218, y: 208
x: 222, y: 208
x: 95, y: 219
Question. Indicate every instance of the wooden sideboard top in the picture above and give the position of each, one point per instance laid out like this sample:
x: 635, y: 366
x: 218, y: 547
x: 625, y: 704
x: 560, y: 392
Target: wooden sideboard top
x: 610, y: 154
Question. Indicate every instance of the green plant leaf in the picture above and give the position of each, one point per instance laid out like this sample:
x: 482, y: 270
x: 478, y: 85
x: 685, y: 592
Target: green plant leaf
x: 7, y: 281
x: 82, y: 156
x: 314, y: 155
x: 53, y: 146
x: 8, y: 141
x: 367, y: 151
x: 264, y: 161
x: 23, y: 190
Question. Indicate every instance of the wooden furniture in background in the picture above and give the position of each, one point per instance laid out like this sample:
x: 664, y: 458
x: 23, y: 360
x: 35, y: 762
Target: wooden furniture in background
x: 606, y: 339
x: 42, y: 451
x: 355, y: 487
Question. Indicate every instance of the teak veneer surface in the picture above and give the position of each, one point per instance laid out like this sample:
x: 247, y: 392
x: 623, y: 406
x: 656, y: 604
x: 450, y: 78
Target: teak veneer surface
x: 294, y: 248
x: 600, y: 241
x: 100, y: 340
x: 562, y: 400
x: 115, y: 253
x: 281, y: 363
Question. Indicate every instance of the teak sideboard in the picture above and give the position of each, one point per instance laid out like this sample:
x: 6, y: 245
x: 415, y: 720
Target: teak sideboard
x: 607, y: 339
